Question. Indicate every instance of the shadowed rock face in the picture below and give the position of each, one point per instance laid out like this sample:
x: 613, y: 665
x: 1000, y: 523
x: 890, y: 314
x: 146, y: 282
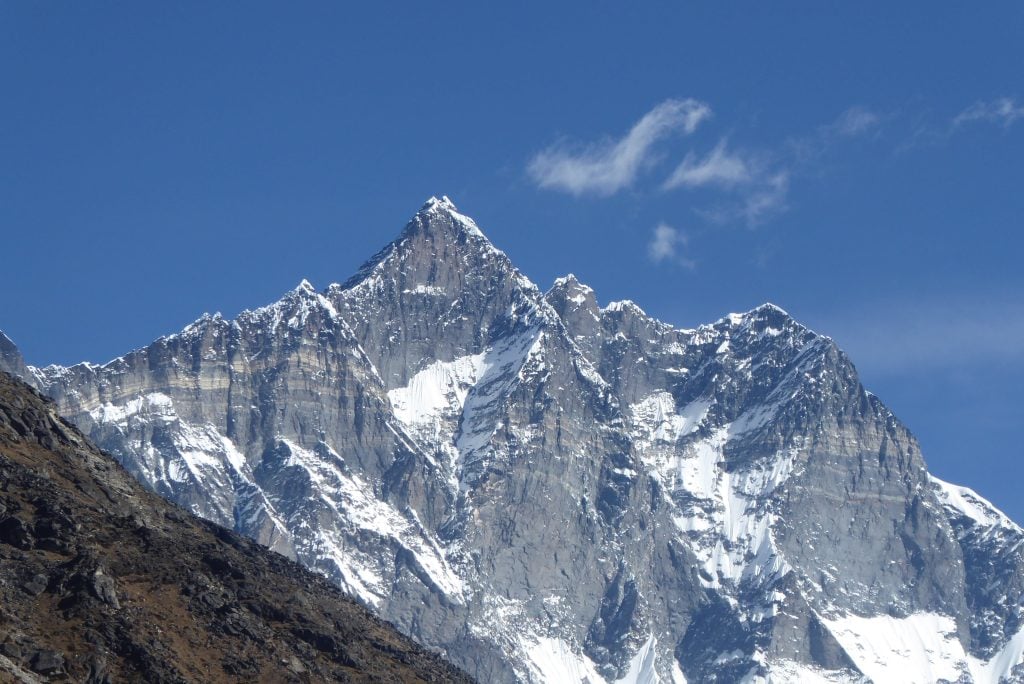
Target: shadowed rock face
x: 103, y: 581
x: 11, y: 360
x: 548, y: 490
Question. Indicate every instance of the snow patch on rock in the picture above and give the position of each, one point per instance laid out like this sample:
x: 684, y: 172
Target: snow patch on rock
x: 655, y: 418
x: 722, y: 514
x: 969, y: 504
x: 552, y: 661
x: 642, y: 666
x: 1001, y: 664
x: 922, y: 648
x: 354, y: 504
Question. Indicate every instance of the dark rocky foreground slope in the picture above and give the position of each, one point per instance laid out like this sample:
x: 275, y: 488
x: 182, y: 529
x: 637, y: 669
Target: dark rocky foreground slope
x: 104, y: 581
x: 549, y: 490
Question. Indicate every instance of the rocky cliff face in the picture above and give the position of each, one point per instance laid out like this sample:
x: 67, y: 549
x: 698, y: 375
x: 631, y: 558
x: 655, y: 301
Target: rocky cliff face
x: 548, y: 490
x: 11, y: 360
x: 103, y: 581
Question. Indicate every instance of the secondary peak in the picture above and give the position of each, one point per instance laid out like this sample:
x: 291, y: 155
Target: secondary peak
x: 444, y: 202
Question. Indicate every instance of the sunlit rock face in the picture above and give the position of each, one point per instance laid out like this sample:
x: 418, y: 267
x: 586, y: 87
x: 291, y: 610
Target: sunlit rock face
x: 548, y: 490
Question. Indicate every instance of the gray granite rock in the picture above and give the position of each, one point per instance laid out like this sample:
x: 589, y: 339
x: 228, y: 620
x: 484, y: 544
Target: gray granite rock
x: 548, y: 490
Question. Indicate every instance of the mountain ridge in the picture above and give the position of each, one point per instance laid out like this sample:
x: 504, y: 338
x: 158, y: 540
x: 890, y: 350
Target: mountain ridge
x: 565, y: 489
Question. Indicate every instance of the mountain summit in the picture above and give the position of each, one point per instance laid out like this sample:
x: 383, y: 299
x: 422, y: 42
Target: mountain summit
x: 552, y: 491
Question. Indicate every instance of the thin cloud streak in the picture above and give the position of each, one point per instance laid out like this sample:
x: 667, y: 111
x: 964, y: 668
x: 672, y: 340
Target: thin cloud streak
x: 767, y: 199
x: 719, y: 167
x: 759, y: 185
x: 897, y: 338
x: 608, y: 167
x: 1003, y: 111
x: 756, y: 204
x: 854, y: 121
x: 753, y: 187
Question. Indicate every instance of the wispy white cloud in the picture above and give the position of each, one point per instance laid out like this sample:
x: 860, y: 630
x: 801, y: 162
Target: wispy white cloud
x: 667, y: 244
x: 927, y: 132
x: 766, y: 195
x: 756, y: 187
x: 607, y: 167
x: 1003, y: 111
x: 854, y: 121
x: 811, y: 147
x: 719, y: 167
x: 753, y: 187
x: 765, y: 190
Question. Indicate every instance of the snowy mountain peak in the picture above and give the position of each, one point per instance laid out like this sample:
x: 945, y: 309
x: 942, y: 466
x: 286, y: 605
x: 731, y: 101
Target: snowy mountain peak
x: 442, y: 214
x: 549, y: 491
x: 571, y: 284
x: 305, y: 287
x: 293, y: 310
x: 567, y: 290
x: 439, y: 238
x: 766, y: 319
x: 442, y: 202
x: 768, y: 309
x: 453, y: 290
x: 568, y: 280
x: 624, y: 305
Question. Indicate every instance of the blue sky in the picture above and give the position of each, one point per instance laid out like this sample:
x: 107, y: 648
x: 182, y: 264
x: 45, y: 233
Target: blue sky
x: 858, y: 164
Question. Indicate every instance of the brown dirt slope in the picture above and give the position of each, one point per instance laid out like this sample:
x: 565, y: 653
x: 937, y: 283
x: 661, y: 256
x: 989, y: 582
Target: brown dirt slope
x: 103, y: 581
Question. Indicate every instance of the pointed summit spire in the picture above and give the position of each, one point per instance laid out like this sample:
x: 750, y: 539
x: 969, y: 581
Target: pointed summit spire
x: 11, y: 359
x: 439, y: 214
x: 571, y: 284
x: 443, y: 273
x: 576, y: 304
x: 568, y: 293
x: 437, y: 235
x: 304, y: 287
x: 766, y: 312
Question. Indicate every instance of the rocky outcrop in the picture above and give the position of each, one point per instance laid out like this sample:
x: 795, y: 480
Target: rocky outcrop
x: 11, y: 360
x: 548, y: 490
x: 103, y: 581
